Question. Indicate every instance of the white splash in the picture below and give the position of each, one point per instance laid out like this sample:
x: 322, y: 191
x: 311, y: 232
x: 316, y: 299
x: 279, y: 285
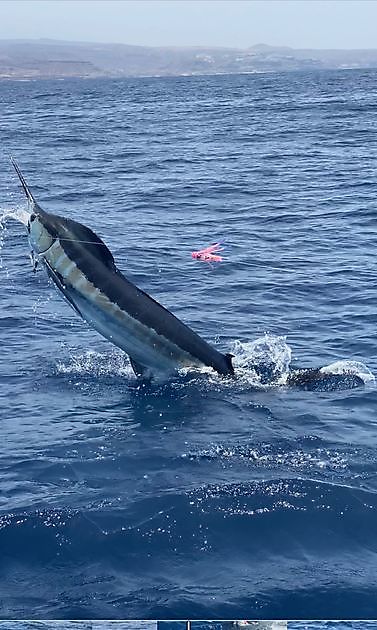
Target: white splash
x: 91, y: 363
x: 19, y: 214
x: 16, y: 213
x: 354, y: 368
x: 265, y: 362
x: 267, y: 359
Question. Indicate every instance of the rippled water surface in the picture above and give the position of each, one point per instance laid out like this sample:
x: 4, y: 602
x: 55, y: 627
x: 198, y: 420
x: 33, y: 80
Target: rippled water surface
x: 78, y: 625
x: 332, y: 625
x: 198, y: 497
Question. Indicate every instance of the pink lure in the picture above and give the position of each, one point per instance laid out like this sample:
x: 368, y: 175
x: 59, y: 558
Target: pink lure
x: 208, y: 254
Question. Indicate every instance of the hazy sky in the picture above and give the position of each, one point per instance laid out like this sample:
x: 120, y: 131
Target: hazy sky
x: 235, y: 23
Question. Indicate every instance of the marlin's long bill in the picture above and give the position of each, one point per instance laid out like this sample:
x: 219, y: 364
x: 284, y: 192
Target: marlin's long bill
x: 83, y: 269
x: 24, y: 185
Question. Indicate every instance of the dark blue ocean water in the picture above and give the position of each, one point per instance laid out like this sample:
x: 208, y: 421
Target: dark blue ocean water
x: 197, y: 498
x: 77, y: 625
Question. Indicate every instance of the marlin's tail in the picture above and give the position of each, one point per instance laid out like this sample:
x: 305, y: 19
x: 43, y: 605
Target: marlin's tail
x: 24, y: 185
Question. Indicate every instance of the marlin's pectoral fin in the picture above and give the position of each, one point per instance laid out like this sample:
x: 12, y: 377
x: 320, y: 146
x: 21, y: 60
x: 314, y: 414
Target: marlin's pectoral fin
x: 140, y: 370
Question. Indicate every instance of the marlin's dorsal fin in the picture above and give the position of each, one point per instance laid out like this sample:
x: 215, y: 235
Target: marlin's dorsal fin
x: 24, y: 185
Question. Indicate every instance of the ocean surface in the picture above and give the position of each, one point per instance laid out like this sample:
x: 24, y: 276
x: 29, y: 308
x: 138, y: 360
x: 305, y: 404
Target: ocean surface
x: 200, y: 497
x: 332, y: 625
x: 77, y: 625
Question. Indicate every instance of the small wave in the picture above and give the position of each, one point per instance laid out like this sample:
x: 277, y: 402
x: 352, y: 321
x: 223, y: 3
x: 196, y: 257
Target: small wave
x: 264, y: 455
x: 279, y: 495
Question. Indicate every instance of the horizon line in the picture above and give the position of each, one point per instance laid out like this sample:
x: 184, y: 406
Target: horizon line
x: 174, y: 46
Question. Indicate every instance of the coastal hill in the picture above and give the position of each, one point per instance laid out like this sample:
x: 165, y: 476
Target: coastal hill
x: 25, y: 59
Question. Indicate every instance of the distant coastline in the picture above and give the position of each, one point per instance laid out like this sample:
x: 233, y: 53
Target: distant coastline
x: 52, y: 59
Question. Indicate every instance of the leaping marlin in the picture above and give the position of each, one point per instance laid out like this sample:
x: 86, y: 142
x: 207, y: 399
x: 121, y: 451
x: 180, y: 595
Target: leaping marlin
x: 83, y: 269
